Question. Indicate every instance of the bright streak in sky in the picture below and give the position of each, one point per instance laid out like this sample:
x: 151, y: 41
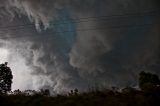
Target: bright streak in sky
x: 21, y: 77
x: 3, y: 55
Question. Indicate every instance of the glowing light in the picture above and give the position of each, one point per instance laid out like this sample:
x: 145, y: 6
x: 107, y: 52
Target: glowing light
x: 3, y: 55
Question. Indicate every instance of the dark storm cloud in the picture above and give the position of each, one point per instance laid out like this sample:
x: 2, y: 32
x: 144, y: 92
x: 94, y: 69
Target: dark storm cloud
x: 102, y: 51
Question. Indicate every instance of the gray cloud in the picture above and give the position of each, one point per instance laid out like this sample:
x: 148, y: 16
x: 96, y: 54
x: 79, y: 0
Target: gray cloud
x: 104, y: 51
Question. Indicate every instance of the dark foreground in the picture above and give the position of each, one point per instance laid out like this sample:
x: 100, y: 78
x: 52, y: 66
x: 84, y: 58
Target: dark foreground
x: 148, y: 95
x: 127, y: 97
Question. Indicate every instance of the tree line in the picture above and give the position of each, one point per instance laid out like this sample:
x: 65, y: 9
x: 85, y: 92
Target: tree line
x: 147, y: 95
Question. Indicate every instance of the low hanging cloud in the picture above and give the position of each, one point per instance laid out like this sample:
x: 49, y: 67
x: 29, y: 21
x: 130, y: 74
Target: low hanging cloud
x: 77, y: 44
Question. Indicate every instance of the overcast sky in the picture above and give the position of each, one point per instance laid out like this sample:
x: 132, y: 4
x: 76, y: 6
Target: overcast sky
x: 66, y: 44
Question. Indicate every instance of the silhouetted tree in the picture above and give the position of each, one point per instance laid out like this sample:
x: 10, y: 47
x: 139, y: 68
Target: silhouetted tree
x: 45, y: 92
x: 5, y: 78
x: 148, y: 80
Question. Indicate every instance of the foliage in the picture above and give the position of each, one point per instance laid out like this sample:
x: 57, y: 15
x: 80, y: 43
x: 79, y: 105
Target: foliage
x: 148, y: 80
x: 5, y: 78
x: 127, y: 96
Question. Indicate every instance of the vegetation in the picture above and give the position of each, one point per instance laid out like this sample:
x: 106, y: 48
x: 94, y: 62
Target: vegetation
x: 148, y: 80
x: 5, y: 78
x: 147, y: 95
x: 126, y: 97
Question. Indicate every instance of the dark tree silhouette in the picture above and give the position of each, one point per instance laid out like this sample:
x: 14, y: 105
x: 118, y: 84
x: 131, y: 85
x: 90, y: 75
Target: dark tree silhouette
x: 5, y: 78
x: 148, y: 80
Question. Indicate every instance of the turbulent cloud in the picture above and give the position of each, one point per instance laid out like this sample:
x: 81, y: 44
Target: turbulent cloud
x: 83, y: 43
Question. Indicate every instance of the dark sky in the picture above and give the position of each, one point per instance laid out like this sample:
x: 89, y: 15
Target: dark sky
x: 67, y: 44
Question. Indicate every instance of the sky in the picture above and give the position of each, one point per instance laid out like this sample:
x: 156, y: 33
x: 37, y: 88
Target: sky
x: 66, y: 44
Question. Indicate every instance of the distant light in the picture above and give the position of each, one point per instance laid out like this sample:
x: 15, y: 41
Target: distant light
x: 4, y: 53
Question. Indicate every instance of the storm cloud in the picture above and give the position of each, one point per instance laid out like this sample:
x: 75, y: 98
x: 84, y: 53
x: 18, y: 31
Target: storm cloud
x: 67, y: 44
